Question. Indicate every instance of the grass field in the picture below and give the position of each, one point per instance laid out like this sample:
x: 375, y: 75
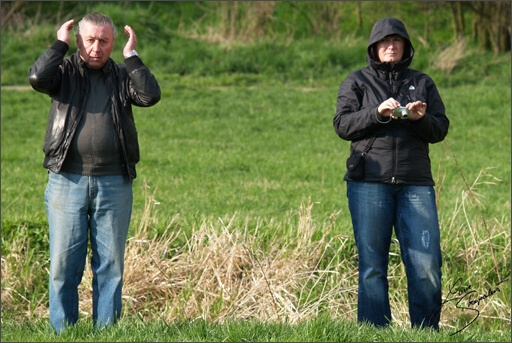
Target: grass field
x: 240, y: 229
x: 254, y: 173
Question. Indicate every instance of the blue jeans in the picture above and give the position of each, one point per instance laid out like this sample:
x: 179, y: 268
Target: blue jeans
x: 375, y: 209
x: 78, y: 208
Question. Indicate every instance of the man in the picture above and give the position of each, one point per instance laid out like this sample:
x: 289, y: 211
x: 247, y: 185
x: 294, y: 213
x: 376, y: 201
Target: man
x: 396, y: 187
x: 91, y: 149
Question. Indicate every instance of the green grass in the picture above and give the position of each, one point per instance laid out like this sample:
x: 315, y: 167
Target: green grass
x: 321, y: 329
x: 257, y: 153
x: 243, y: 135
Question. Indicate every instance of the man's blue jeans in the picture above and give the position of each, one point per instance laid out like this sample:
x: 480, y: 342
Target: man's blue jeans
x: 78, y: 208
x: 375, y: 209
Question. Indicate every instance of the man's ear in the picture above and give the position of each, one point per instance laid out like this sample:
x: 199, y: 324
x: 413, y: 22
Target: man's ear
x: 80, y: 44
x: 78, y: 41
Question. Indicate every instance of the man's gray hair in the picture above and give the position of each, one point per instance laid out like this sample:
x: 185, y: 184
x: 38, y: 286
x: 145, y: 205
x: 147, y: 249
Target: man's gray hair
x: 98, y: 19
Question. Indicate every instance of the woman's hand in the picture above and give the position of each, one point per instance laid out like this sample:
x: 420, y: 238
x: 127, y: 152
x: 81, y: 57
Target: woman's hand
x: 386, y: 108
x: 416, y: 109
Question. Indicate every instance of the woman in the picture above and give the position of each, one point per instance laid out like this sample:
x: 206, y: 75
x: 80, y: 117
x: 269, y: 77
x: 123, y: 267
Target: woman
x: 396, y: 188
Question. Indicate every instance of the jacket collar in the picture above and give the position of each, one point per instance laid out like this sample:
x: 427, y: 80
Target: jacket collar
x: 384, y: 70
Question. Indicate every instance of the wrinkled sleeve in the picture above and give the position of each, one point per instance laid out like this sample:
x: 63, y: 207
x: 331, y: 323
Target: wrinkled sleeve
x: 143, y: 86
x: 352, y: 121
x: 45, y: 74
x: 433, y: 127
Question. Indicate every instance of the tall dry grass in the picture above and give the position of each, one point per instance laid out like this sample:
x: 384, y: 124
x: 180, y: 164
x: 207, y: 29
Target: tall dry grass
x: 243, y: 22
x: 449, y: 58
x: 23, y: 271
x: 231, y: 22
x: 221, y: 271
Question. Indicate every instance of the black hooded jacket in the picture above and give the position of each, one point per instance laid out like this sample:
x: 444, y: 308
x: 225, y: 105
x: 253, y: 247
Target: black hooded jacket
x: 65, y: 80
x: 400, y: 152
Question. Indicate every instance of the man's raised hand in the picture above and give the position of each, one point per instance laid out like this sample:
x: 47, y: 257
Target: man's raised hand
x: 63, y: 32
x: 132, y: 40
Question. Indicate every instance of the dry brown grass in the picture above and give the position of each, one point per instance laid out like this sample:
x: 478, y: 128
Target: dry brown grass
x: 239, y: 22
x: 450, y: 57
x: 221, y: 271
x: 21, y: 273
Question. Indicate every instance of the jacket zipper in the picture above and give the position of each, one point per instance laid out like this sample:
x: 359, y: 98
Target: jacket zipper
x: 393, y: 180
x: 394, y: 90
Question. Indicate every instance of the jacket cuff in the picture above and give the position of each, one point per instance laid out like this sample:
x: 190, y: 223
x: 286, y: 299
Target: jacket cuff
x: 132, y: 63
x: 60, y: 46
x: 381, y: 119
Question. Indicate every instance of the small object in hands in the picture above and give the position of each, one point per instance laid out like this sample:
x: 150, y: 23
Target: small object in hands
x: 401, y: 112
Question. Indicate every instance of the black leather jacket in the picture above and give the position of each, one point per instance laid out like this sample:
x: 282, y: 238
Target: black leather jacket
x: 65, y: 81
x: 400, y: 152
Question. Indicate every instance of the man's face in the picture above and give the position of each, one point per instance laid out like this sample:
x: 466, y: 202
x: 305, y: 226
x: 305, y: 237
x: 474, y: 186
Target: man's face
x: 391, y: 49
x: 95, y: 43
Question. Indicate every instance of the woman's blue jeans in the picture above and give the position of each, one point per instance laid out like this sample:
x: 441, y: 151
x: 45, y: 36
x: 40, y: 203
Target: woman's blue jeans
x: 80, y: 208
x: 375, y: 209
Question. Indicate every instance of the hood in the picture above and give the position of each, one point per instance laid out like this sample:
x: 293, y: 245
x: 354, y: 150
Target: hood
x: 386, y: 27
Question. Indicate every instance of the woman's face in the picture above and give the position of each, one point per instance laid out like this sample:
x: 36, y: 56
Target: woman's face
x: 390, y: 49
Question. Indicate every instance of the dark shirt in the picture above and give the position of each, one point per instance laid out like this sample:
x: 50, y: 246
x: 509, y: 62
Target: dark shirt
x: 95, y: 149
